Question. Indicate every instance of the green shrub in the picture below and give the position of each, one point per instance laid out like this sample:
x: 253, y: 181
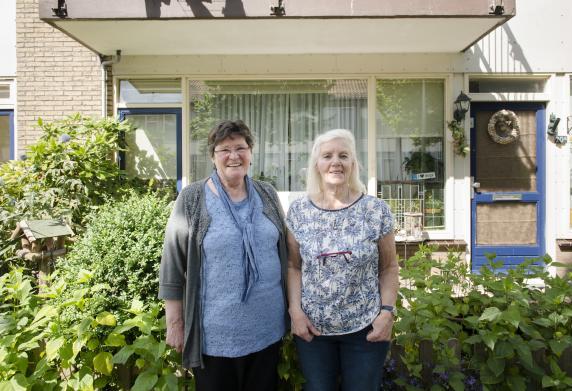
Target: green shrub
x: 66, y: 174
x: 40, y: 352
x: 500, y: 319
x: 122, y: 248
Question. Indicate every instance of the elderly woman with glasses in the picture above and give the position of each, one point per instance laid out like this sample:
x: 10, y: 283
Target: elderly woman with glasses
x: 223, y: 271
x: 343, y: 272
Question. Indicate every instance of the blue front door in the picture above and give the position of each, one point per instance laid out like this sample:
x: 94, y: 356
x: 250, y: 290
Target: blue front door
x: 507, y: 170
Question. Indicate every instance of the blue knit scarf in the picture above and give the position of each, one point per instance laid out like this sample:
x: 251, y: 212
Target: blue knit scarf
x: 250, y: 264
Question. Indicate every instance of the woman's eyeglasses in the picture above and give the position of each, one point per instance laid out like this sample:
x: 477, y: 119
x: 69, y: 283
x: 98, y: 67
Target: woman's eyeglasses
x: 324, y: 256
x: 227, y: 151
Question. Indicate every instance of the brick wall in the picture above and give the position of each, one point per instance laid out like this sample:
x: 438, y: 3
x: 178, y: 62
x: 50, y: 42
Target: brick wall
x: 56, y: 76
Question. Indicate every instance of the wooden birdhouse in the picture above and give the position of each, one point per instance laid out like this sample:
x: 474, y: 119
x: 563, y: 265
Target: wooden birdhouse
x: 42, y: 241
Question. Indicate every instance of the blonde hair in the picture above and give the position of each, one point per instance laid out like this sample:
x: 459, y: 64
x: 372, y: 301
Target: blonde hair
x: 314, y: 178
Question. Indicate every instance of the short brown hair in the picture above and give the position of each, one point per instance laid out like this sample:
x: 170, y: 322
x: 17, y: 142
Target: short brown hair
x: 230, y: 129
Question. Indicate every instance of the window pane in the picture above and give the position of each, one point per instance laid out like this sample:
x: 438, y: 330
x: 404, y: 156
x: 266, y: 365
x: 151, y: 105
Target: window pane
x: 409, y: 142
x: 570, y: 144
x: 285, y: 117
x: 150, y: 91
x: 4, y: 91
x: 507, y: 85
x: 152, y: 147
x: 4, y: 138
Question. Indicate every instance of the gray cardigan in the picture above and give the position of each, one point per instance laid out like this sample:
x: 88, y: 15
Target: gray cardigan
x: 179, y: 277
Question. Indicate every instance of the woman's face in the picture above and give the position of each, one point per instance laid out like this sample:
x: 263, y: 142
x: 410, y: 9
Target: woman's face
x: 335, y: 163
x: 232, y: 158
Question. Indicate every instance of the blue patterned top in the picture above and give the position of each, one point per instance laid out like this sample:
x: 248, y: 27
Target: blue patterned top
x: 340, y: 283
x: 232, y: 327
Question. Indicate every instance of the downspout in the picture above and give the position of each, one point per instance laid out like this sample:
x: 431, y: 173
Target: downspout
x: 114, y: 60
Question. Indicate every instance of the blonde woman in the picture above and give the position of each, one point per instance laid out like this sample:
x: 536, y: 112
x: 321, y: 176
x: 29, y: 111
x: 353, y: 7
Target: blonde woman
x: 342, y: 272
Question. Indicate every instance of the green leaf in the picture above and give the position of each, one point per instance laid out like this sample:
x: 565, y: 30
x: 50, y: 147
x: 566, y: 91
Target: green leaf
x: 542, y: 322
x: 145, y: 381
x: 115, y: 339
x: 557, y: 346
x: 106, y: 319
x: 457, y: 384
x: 490, y: 340
x: 93, y: 344
x: 496, y: 365
x: 19, y: 382
x: 103, y: 363
x: 6, y: 386
x: 530, y: 331
x: 168, y: 382
x: 490, y: 314
x: 547, y: 381
x: 516, y: 383
x: 512, y: 316
x: 53, y: 346
x: 524, y: 354
x: 504, y: 349
x: 136, y: 307
x: 123, y: 355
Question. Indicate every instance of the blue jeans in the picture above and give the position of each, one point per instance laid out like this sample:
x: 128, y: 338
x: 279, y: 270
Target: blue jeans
x: 358, y: 362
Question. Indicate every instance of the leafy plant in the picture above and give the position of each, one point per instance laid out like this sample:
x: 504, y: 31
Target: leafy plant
x: 122, y: 247
x: 459, y: 140
x: 39, y: 352
x: 66, y: 174
x: 499, y: 320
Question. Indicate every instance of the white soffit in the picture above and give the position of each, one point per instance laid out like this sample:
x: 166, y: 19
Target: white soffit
x: 279, y: 36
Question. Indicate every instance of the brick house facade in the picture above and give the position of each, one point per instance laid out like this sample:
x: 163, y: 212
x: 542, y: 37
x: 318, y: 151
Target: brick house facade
x: 56, y: 75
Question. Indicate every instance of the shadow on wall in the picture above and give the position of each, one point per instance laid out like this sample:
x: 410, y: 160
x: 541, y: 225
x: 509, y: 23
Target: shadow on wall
x: 231, y: 9
x: 502, y: 47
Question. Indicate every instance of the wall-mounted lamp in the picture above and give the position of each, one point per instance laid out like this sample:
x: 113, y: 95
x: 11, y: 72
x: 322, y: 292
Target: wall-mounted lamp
x: 62, y: 10
x: 279, y: 10
x: 552, y: 128
x: 462, y: 104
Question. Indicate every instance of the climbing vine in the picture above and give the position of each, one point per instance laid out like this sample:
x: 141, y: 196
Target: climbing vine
x: 459, y: 140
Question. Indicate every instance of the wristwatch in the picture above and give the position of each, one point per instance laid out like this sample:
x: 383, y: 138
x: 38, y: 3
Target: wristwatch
x: 390, y: 309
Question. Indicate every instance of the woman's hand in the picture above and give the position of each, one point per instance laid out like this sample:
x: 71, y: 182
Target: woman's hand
x: 175, y: 324
x: 175, y: 335
x: 382, y: 326
x: 301, y: 325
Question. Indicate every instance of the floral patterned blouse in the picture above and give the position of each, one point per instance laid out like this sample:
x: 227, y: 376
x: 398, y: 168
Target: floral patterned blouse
x: 340, y: 284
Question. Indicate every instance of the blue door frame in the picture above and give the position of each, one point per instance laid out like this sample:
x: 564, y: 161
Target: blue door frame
x: 511, y: 254
x: 123, y: 113
x: 10, y: 115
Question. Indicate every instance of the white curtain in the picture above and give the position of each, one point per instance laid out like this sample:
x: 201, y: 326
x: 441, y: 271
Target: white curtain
x: 285, y: 125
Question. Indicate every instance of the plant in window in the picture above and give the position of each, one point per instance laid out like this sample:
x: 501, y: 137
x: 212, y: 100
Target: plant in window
x: 433, y: 205
x: 459, y: 140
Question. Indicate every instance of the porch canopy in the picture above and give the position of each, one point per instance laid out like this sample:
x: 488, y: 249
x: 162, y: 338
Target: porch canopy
x: 204, y: 27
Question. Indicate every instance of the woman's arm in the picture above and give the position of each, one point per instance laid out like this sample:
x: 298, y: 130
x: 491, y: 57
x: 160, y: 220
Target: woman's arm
x: 172, y: 274
x: 301, y: 325
x: 388, y: 287
x: 175, y: 324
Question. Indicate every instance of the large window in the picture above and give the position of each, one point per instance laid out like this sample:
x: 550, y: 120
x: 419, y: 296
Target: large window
x: 285, y: 117
x: 570, y: 144
x: 410, y: 149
